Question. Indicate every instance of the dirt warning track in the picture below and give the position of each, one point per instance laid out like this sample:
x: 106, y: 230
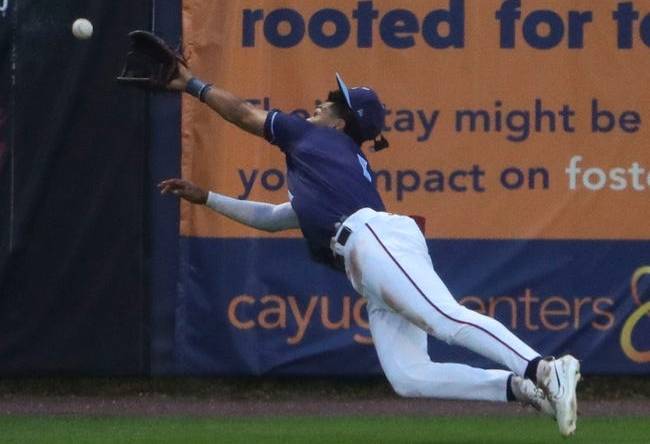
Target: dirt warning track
x: 162, y: 405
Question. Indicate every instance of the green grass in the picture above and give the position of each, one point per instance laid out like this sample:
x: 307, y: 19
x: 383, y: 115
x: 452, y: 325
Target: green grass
x: 310, y: 430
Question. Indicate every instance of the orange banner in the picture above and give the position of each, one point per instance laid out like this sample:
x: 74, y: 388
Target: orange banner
x: 507, y: 119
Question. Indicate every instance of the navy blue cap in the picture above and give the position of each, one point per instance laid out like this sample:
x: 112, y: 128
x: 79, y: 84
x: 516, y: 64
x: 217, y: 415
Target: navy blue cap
x: 367, y: 109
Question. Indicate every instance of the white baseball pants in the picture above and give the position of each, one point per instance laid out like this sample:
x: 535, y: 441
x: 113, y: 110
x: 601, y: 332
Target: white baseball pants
x: 387, y: 262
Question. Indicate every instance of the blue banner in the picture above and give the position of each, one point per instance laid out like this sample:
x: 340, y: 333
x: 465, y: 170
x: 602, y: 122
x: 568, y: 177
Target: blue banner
x: 260, y: 306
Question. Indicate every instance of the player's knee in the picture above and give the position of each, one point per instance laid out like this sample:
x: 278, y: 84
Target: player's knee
x: 446, y: 331
x: 452, y: 326
x: 395, y: 377
x: 403, y: 390
x: 403, y: 381
x: 401, y: 386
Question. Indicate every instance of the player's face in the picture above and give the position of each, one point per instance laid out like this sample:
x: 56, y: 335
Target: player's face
x: 324, y: 115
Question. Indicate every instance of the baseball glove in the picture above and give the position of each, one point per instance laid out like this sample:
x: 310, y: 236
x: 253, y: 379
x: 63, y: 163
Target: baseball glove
x: 150, y: 63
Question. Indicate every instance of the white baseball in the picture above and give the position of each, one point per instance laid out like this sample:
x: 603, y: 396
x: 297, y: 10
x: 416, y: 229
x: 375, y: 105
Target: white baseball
x: 82, y: 29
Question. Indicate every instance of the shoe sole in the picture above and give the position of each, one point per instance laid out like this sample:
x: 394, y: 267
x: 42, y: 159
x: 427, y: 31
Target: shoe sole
x: 567, y: 407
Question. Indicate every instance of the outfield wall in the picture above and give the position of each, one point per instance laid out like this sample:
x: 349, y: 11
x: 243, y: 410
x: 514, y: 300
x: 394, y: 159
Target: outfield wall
x: 518, y: 129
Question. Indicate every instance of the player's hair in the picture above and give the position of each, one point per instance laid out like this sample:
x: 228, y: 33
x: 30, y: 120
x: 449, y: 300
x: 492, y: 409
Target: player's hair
x: 342, y: 111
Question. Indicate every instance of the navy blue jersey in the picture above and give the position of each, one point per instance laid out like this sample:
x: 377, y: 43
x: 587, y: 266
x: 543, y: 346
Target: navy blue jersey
x: 327, y: 174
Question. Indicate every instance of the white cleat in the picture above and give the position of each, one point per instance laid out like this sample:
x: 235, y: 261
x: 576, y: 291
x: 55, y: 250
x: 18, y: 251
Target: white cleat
x: 526, y: 392
x: 558, y: 379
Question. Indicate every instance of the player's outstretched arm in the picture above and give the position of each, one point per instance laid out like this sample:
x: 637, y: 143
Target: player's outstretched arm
x: 232, y: 108
x: 261, y: 215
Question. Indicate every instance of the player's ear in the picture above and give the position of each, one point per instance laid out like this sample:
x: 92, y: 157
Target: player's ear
x: 338, y: 124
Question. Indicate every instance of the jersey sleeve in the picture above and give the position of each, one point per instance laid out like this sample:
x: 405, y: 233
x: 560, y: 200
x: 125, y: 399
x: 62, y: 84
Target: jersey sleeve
x: 284, y: 130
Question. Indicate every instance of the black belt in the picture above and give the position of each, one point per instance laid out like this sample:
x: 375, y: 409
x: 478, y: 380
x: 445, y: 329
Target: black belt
x: 343, y: 236
x: 341, y: 239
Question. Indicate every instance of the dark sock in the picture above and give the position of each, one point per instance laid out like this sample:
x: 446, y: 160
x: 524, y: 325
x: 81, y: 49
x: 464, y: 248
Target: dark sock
x: 510, y: 396
x: 531, y: 370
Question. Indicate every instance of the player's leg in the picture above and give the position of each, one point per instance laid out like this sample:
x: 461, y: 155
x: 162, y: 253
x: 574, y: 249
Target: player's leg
x: 387, y: 260
x: 402, y: 351
x: 396, y: 268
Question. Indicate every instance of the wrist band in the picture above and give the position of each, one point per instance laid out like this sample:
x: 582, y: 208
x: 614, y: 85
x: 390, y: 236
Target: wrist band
x: 207, y: 87
x: 197, y: 88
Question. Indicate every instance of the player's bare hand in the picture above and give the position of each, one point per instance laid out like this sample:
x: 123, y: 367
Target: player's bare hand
x: 180, y: 82
x: 184, y: 189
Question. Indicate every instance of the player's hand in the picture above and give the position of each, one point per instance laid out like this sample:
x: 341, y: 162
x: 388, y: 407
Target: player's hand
x: 184, y: 189
x: 180, y: 82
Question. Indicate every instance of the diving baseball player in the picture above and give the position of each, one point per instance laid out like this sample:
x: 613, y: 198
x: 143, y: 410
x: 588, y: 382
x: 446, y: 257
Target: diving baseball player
x: 336, y: 205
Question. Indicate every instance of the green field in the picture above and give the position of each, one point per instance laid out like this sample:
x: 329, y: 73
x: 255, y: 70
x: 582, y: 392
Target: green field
x: 73, y: 430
